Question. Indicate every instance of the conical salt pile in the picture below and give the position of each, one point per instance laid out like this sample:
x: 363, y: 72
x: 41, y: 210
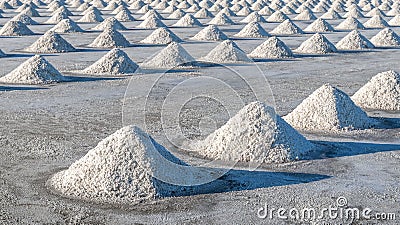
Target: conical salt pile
x: 252, y: 30
x: 254, y: 134
x: 316, y: 44
x: 91, y: 16
x: 161, y: 36
x: 151, y: 22
x: 188, y: 21
x: 277, y: 16
x: 382, y: 92
x: 272, y: 48
x: 253, y: 17
x: 331, y: 15
x: 110, y: 23
x: 124, y: 16
x: 35, y: 70
x: 319, y: 25
x: 56, y: 18
x: 221, y: 19
x: 350, y: 23
x: 114, y: 62
x: 110, y: 38
x: 226, y: 52
x: 210, y: 33
x: 328, y: 109
x: 306, y: 15
x: 177, y: 14
x: 386, y: 38
x: 355, y: 13
x: 15, y: 28
x: 203, y: 13
x: 151, y: 13
x: 375, y: 12
x: 376, y: 22
x: 50, y: 42
x: 121, y: 169
x: 354, y: 41
x: 66, y: 26
x: 287, y: 27
x: 395, y: 21
x: 25, y: 19
x: 172, y: 56
x: 266, y: 11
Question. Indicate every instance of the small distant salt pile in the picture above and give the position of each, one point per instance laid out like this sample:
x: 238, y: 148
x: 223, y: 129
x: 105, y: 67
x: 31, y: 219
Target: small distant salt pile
x: 31, y: 12
x: 319, y: 25
x: 350, y: 23
x: 15, y: 28
x: 56, y: 18
x: 253, y: 17
x: 111, y: 6
x: 245, y: 11
x: 254, y: 134
x: 386, y: 38
x: 226, y: 52
x: 177, y: 14
x: 306, y: 15
x: 5, y: 5
x: 119, y: 9
x: 382, y: 92
x: 210, y: 33
x: 316, y: 44
x: 124, y: 16
x: 98, y: 3
x: 67, y: 26
x: 354, y: 41
x: 394, y: 11
x: 375, y: 12
x: 121, y: 169
x: 172, y: 56
x: 151, y: 22
x: 227, y: 12
x: 287, y: 27
x: 114, y: 62
x: 35, y: 70
x: 91, y: 16
x: 50, y: 42
x: 188, y: 21
x: 253, y: 30
x: 331, y: 15
x: 203, y: 13
x: 151, y: 13
x: 266, y: 11
x: 221, y: 19
x: 288, y: 10
x: 25, y: 19
x: 137, y: 4
x: 110, y: 23
x: 395, y: 21
x: 376, y: 22
x: 355, y: 13
x: 328, y: 109
x: 277, y: 16
x: 62, y: 10
x: 110, y: 38
x: 161, y: 36
x: 84, y: 6
x: 272, y: 48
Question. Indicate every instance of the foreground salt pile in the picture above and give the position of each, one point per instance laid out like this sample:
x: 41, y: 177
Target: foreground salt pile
x: 110, y: 38
x: 354, y: 41
x: 328, y: 109
x: 171, y: 56
x: 226, y: 52
x: 210, y: 33
x: 161, y: 36
x: 316, y: 44
x: 50, y: 42
x: 35, y: 70
x: 15, y: 28
x: 272, y: 48
x: 382, y: 92
x: 254, y: 134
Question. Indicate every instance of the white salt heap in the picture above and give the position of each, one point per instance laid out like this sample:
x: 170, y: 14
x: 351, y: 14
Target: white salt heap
x: 124, y: 16
x: 188, y: 21
x: 110, y: 38
x: 253, y: 30
x: 91, y: 16
x: 25, y: 19
x: 221, y: 19
x: 287, y: 27
x: 203, y: 13
x: 177, y: 14
x: 328, y: 109
x: 395, y: 21
x: 254, y: 134
x: 376, y: 22
x: 57, y: 17
x: 35, y: 70
x: 50, y: 42
x: 110, y: 23
x: 306, y: 15
x: 67, y: 26
x: 316, y: 44
x: 272, y: 48
x: 171, y: 56
x: 114, y: 62
x: 226, y: 52
x: 161, y: 36
x: 350, y: 23
x: 122, y: 168
x: 277, y: 16
x: 382, y: 92
x: 15, y: 28
x: 151, y: 22
x: 253, y: 17
x: 386, y: 38
x: 354, y: 41
x: 210, y: 33
x: 331, y: 15
x: 355, y: 13
x: 319, y: 25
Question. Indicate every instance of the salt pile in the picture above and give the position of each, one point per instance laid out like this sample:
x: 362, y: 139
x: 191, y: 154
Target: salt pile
x: 221, y: 19
x: 376, y: 22
x: 350, y: 24
x: 382, y: 92
x: 386, y: 38
x: 226, y: 52
x: 245, y: 11
x: 287, y: 27
x: 306, y: 15
x: 66, y: 26
x: 328, y: 109
x: 124, y: 16
x: 114, y: 62
x: 253, y: 30
x: 172, y: 56
x: 272, y: 48
x: 210, y: 33
x: 15, y: 28
x: 110, y: 23
x: 25, y: 19
x: 266, y: 11
x: 203, y: 13
x: 120, y: 169
x: 91, y: 16
x: 253, y: 17
x: 151, y: 13
x: 277, y: 16
x: 254, y: 134
x: 110, y: 38
x: 316, y: 44
x: 375, y: 12
x: 177, y: 14
x: 35, y: 70
x: 161, y: 36
x: 319, y: 25
x: 151, y: 22
x: 355, y: 13
x: 50, y: 42
x: 56, y: 18
x: 395, y: 21
x: 354, y: 41
x: 31, y: 12
x: 331, y: 14
x: 188, y: 21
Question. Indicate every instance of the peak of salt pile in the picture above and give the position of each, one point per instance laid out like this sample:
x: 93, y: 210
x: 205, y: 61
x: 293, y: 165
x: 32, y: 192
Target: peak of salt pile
x: 253, y: 17
x: 124, y: 16
x: 306, y: 15
x: 354, y: 41
x: 376, y: 22
x: 35, y: 70
x: 110, y: 38
x: 91, y: 16
x: 319, y: 25
x: 350, y: 23
x: 171, y: 56
x: 151, y: 22
x: 15, y: 28
x: 50, y: 42
x: 122, y: 168
x: 203, y: 14
x: 221, y: 19
x: 277, y: 16
x: 395, y: 21
x: 226, y: 52
x: 328, y: 109
x: 253, y: 30
x: 137, y: 4
x: 287, y: 27
x: 386, y: 38
x: 114, y: 62
x: 272, y: 48
x: 210, y: 33
x: 188, y: 21
x: 254, y: 134
x: 67, y: 26
x: 331, y: 15
x: 382, y: 92
x: 161, y: 36
x: 110, y: 23
x: 25, y: 19
x: 316, y: 44
x: 355, y: 13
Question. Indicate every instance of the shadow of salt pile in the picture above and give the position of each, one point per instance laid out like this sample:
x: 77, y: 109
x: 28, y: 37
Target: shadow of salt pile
x: 89, y: 79
x: 19, y: 88
x: 387, y: 123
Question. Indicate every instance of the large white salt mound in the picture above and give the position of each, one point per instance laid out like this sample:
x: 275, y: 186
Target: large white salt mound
x: 120, y: 169
x: 395, y: 21
x: 110, y: 38
x: 151, y: 22
x: 188, y: 21
x: 15, y: 28
x: 35, y: 70
x: 382, y: 92
x: 171, y: 56
x: 316, y: 44
x: 50, y: 42
x: 210, y: 33
x: 254, y: 134
x: 110, y: 23
x: 67, y: 26
x: 114, y: 62
x: 287, y: 27
x: 221, y: 19
x: 226, y: 52
x: 319, y: 25
x: 350, y: 23
x: 161, y: 36
x: 386, y: 38
x: 376, y: 22
x: 253, y: 30
x: 272, y: 48
x: 354, y: 41
x: 328, y: 109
